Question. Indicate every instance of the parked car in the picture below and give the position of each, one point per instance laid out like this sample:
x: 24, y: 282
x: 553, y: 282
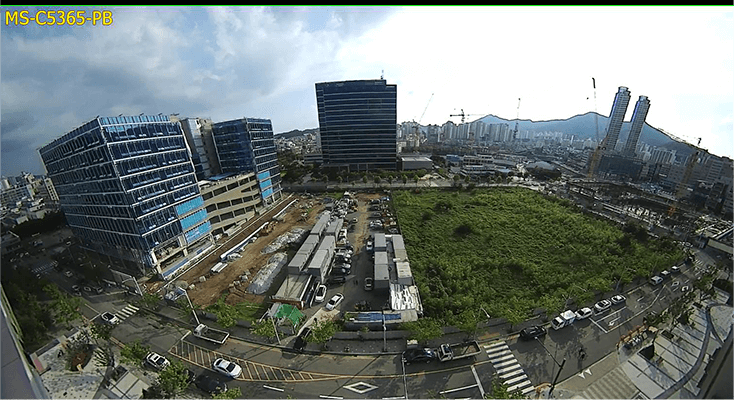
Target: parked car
x: 157, y: 361
x: 227, y: 368
x: 656, y: 280
x: 617, y: 299
x: 583, y: 313
x: 532, y: 332
x: 425, y: 355
x: 210, y: 384
x: 340, y: 271
x: 675, y: 269
x: 109, y: 318
x: 334, y: 301
x: 602, y: 306
x: 337, y: 280
x: 68, y: 273
x: 320, y: 293
x: 664, y: 274
x: 368, y: 283
x: 301, y: 341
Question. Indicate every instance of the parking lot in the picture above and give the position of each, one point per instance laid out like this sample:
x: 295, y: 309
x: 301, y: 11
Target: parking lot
x: 353, y: 288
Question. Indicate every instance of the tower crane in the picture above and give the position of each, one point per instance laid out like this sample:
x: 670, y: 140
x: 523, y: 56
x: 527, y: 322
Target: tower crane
x: 463, y: 116
x: 517, y: 119
x: 600, y: 146
x: 417, y: 124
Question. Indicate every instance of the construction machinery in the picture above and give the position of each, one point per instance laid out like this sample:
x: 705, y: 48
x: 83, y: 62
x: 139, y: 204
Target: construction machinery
x: 600, y: 146
x: 463, y: 116
x: 517, y: 119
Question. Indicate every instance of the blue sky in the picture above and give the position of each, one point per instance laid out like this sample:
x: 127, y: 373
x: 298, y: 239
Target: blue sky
x: 226, y: 63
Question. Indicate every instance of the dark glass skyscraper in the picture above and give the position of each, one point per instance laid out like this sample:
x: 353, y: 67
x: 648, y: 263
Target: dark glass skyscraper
x: 638, y: 120
x: 247, y: 145
x: 127, y: 187
x: 358, y: 124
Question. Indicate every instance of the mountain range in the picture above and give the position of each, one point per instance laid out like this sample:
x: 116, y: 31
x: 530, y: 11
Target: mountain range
x: 584, y: 126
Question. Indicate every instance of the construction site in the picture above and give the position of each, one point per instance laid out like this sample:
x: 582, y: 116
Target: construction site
x: 249, y: 266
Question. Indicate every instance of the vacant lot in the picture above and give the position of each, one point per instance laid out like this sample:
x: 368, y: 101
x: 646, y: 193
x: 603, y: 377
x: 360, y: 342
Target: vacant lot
x: 511, y: 251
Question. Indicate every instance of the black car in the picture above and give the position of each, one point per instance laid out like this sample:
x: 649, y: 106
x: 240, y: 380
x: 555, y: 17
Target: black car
x: 425, y: 355
x: 210, y: 384
x: 337, y: 280
x: 300, y: 342
x: 340, y: 271
x: 532, y: 332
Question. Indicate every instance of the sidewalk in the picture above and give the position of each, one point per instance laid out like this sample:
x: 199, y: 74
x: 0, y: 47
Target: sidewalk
x: 675, y: 370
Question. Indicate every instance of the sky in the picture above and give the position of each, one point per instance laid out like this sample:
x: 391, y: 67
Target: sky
x: 263, y: 62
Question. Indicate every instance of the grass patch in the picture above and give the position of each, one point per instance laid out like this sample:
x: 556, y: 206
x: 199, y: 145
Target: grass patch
x: 513, y: 250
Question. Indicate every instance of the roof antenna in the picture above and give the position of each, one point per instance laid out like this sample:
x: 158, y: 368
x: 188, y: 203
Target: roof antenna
x: 382, y: 75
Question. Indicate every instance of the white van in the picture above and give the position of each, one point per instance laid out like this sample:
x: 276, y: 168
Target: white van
x: 656, y: 280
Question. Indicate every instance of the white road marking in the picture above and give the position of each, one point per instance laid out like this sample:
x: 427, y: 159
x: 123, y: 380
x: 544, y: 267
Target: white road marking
x: 479, y: 383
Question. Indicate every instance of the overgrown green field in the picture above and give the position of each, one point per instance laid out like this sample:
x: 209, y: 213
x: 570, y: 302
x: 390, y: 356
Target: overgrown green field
x: 511, y: 251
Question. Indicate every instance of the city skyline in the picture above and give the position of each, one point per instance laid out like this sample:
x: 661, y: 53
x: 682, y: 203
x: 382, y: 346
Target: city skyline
x: 223, y: 64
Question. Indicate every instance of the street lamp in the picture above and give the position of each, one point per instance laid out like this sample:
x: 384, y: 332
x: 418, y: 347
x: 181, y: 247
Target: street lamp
x: 192, y: 306
x: 560, y: 367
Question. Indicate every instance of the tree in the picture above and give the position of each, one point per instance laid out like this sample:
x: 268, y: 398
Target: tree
x: 423, y: 329
x: 152, y: 301
x: 66, y: 308
x: 232, y: 393
x: 134, y: 352
x: 499, y: 391
x: 264, y: 328
x: 173, y: 380
x: 322, y: 331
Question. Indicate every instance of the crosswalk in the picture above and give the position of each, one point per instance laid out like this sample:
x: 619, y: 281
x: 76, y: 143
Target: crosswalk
x: 127, y: 312
x: 508, y: 369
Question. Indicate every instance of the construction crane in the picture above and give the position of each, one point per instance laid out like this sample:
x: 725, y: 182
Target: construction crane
x: 600, y: 146
x: 517, y: 119
x: 463, y: 116
x: 417, y: 124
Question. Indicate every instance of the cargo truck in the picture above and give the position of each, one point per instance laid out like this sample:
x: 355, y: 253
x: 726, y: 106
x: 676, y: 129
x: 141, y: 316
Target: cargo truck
x: 565, y: 319
x: 211, y: 334
x: 457, y: 351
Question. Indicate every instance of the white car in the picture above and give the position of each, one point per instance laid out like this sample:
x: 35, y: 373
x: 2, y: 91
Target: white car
x: 583, y: 313
x: 602, y: 306
x: 334, y: 301
x: 228, y: 368
x: 157, y: 361
x: 109, y: 318
x: 617, y: 299
x: 320, y: 293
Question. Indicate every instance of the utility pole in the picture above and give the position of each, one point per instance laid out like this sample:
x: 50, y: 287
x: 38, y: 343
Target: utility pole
x: 560, y: 367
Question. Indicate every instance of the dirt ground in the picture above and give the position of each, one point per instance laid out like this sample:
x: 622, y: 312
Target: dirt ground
x: 252, y: 260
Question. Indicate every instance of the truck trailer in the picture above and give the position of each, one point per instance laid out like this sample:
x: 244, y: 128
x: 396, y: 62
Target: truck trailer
x: 457, y: 351
x: 211, y: 334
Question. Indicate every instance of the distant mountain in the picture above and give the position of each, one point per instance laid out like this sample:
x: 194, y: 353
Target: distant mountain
x: 585, y: 126
x: 295, y: 133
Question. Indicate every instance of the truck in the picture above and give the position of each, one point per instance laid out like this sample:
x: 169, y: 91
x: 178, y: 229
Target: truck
x: 457, y: 351
x: 211, y: 334
x: 565, y: 319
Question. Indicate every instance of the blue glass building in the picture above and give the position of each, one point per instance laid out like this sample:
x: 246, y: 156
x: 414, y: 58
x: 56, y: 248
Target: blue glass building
x: 358, y: 124
x: 127, y: 187
x: 247, y: 145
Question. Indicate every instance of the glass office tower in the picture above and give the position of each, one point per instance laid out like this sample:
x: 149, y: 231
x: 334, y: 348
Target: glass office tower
x: 127, y: 187
x: 247, y: 145
x: 358, y: 124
